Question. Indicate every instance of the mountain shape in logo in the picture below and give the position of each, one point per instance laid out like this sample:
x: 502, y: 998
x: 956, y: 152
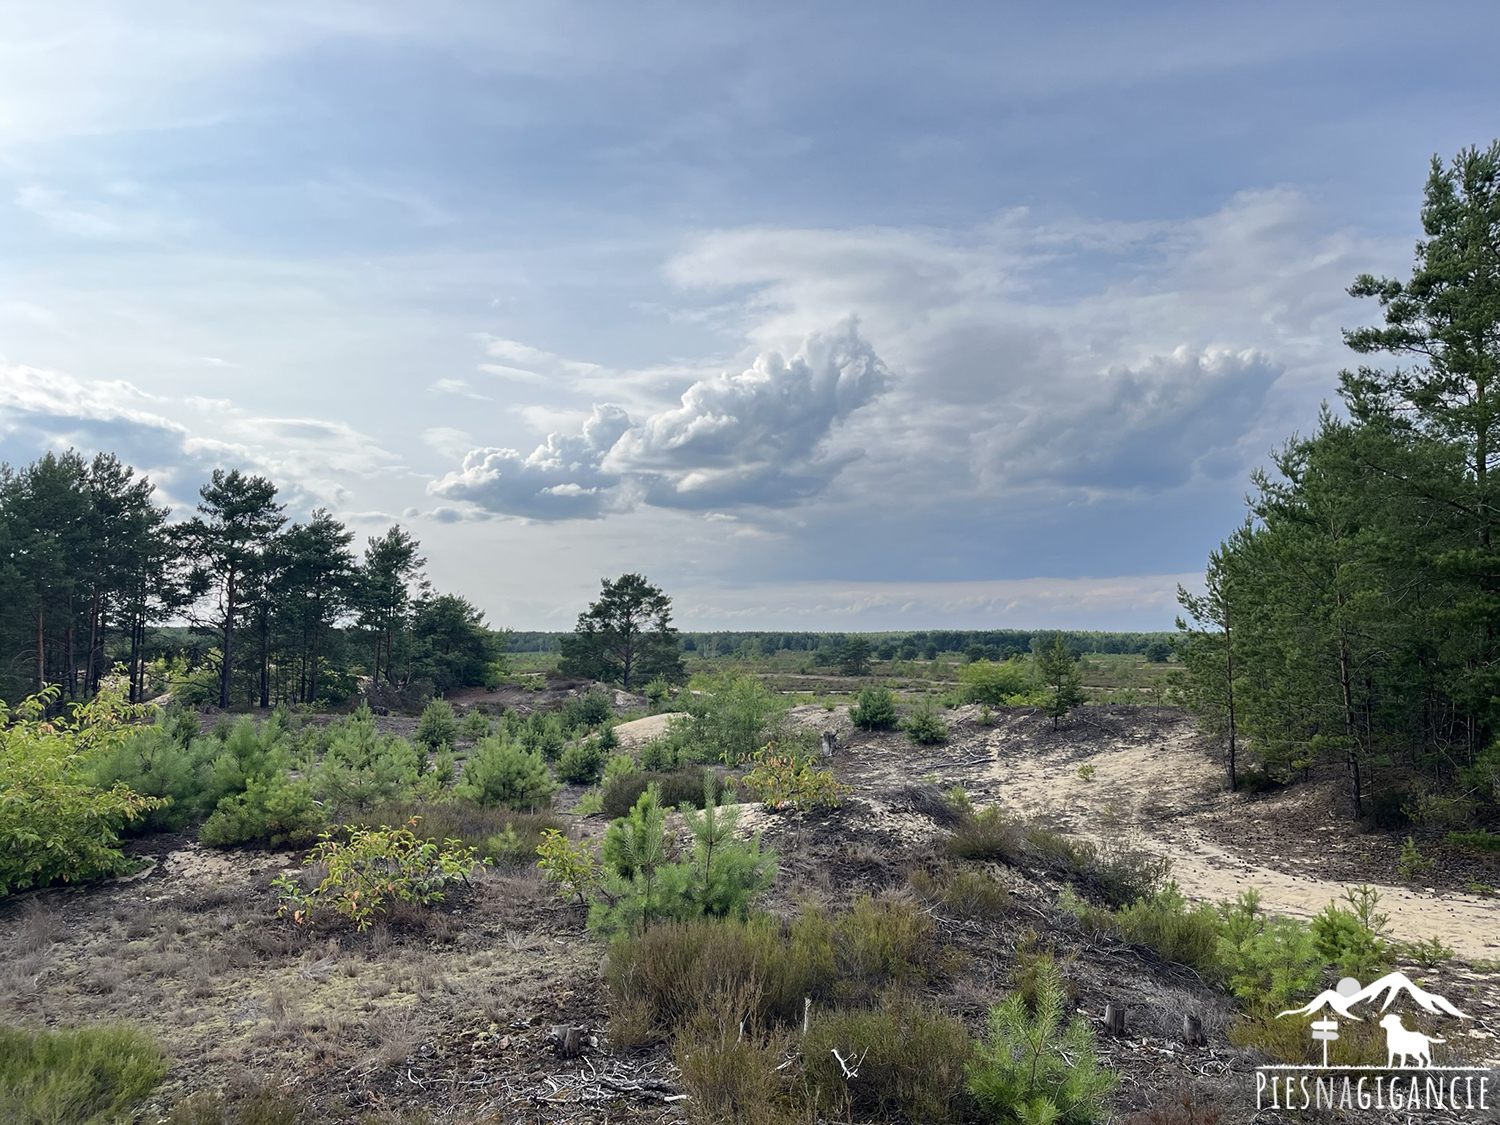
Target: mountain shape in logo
x: 1391, y: 985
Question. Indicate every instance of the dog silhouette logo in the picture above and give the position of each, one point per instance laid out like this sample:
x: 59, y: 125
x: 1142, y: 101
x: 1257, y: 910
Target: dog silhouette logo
x: 1406, y: 1044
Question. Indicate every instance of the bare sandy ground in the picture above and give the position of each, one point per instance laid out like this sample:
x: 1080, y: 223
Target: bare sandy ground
x: 638, y: 732
x: 1164, y: 789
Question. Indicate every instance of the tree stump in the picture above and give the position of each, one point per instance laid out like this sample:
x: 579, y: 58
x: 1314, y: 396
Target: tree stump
x: 566, y: 1040
x: 830, y: 743
x: 1192, y: 1031
x: 1114, y: 1020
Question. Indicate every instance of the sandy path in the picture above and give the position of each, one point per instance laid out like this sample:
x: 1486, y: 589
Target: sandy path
x: 1161, y: 787
x: 638, y: 732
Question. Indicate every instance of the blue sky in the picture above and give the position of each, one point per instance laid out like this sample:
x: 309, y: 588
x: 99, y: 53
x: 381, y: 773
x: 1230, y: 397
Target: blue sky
x: 822, y: 315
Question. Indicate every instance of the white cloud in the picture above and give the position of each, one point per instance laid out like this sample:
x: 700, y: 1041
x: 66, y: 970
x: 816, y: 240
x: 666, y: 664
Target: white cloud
x: 760, y: 437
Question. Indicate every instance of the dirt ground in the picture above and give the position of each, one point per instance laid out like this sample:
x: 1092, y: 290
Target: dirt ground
x: 449, y: 1011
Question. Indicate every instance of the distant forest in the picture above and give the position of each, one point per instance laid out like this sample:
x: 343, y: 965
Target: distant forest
x: 925, y: 644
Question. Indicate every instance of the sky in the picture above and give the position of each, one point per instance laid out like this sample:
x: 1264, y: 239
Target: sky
x: 821, y: 315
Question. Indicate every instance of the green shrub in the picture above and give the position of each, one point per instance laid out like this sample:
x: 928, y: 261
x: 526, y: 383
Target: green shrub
x: 584, y: 712
x: 925, y: 727
x: 875, y: 709
x: 718, y: 878
x: 658, y: 694
x: 496, y: 832
x: 259, y: 1107
x: 965, y: 891
x: 571, y: 867
x: 498, y: 772
x: 677, y: 788
x: 274, y: 810
x: 732, y: 1072
x: 985, y: 681
x: 726, y: 718
x: 1269, y: 961
x: 437, y: 727
x: 988, y: 834
x: 155, y: 762
x: 1352, y: 937
x: 542, y: 733
x: 580, y: 763
x: 372, y: 869
x: 909, y: 1064
x: 476, y: 725
x: 1412, y: 865
x: 362, y: 767
x: 1481, y: 841
x: 1430, y: 952
x: 56, y: 824
x: 658, y: 977
x: 618, y: 766
x: 781, y: 781
x: 1033, y: 1069
x: 1164, y: 922
x: 877, y: 943
x: 88, y: 1076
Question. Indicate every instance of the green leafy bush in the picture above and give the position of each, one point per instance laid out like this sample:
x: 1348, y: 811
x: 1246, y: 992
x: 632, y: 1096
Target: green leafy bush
x: 89, y: 1076
x: 874, y: 709
x: 1035, y: 1070
x: 437, y: 727
x: 373, y: 868
x: 925, y: 727
x: 781, y: 781
x: 985, y: 681
x: 499, y: 772
x: 909, y: 1063
x: 56, y: 824
x: 571, y: 867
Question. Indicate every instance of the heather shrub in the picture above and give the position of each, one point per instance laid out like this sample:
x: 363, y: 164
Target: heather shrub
x: 89, y: 1076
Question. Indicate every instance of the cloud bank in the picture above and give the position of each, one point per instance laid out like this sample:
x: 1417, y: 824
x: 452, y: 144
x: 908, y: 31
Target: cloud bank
x: 766, y: 436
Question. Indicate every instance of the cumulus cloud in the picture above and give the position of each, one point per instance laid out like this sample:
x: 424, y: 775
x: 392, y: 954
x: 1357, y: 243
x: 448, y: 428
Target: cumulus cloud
x: 764, y: 436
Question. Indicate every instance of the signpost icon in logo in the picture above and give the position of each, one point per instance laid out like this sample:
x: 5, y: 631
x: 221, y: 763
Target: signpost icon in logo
x: 1328, y: 1030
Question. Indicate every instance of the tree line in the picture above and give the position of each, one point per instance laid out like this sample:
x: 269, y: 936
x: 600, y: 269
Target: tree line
x: 92, y: 568
x: 1354, y: 617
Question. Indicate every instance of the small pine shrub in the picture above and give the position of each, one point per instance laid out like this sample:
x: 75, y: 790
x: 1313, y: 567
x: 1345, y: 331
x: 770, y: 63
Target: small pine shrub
x: 590, y: 804
x: 499, y: 772
x: 1269, y: 961
x: 618, y: 766
x: 875, y: 709
x: 581, y: 762
x: 925, y: 727
x: 1033, y: 1068
x: 1351, y: 937
x: 89, y: 1076
x: 275, y: 810
x: 437, y: 726
x: 476, y: 725
x: 1412, y: 865
x: 1430, y: 952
